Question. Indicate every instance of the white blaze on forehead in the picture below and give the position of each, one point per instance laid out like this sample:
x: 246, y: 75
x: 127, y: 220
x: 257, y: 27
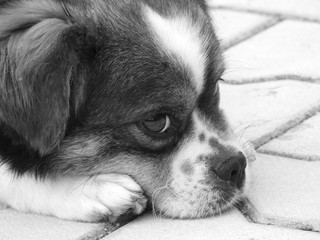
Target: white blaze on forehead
x: 179, y: 36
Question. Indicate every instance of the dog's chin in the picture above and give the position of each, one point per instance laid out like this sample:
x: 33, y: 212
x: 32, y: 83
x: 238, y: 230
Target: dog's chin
x: 200, y: 203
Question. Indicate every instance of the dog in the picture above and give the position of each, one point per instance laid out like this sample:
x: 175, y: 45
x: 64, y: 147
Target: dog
x: 110, y: 106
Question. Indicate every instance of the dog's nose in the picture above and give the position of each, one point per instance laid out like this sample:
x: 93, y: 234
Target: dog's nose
x: 232, y: 169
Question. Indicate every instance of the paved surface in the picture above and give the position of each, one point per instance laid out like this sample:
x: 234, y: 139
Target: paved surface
x: 272, y: 97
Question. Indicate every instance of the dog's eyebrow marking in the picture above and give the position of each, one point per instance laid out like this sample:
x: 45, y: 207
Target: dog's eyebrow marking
x: 83, y: 147
x: 181, y: 38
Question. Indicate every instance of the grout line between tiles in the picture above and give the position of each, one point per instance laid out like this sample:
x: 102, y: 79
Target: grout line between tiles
x: 272, y: 14
x: 252, y: 215
x: 306, y: 158
x: 273, y: 79
x: 291, y: 123
x: 253, y: 32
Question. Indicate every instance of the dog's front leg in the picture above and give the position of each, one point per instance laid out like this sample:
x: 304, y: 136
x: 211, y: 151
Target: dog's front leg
x: 73, y: 198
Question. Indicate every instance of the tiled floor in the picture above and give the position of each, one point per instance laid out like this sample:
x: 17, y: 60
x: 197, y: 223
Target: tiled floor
x: 272, y: 97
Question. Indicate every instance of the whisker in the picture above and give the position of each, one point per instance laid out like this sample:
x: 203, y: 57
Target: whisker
x: 155, y: 194
x: 248, y: 124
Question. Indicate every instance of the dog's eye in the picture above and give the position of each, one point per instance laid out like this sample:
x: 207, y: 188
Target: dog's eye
x: 157, y: 124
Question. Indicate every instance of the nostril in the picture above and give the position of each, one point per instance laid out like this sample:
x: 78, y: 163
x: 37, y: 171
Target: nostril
x: 228, y: 170
x: 234, y: 175
x: 232, y: 169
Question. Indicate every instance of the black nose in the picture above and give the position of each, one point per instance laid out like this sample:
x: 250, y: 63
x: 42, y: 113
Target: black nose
x: 232, y: 169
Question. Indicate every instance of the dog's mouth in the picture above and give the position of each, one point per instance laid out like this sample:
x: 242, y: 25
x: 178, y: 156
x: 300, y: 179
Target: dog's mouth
x: 201, y: 200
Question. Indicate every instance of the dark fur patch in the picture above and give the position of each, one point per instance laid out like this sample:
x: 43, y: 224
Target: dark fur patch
x: 36, y: 65
x: 202, y: 137
x: 187, y: 168
x: 214, y: 143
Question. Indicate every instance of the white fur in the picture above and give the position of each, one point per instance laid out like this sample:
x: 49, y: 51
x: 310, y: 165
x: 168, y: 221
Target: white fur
x: 72, y: 198
x: 180, y: 37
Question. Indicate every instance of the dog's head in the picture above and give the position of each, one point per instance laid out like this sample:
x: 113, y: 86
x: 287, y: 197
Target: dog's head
x: 131, y: 87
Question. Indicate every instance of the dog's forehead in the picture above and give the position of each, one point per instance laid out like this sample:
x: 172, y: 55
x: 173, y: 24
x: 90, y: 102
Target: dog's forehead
x: 179, y: 37
x: 164, y: 58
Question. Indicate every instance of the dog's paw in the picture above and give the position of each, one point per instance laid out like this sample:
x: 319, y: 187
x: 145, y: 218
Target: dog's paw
x: 102, y: 197
x: 115, y: 195
x: 88, y: 199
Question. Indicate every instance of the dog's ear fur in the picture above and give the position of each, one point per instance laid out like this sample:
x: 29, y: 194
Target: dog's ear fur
x: 36, y: 66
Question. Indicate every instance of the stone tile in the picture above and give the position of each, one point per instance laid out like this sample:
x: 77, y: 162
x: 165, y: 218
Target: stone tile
x: 284, y: 188
x: 2, y: 206
x: 232, y: 26
x: 287, y: 50
x: 305, y: 9
x: 261, y: 111
x: 17, y: 226
x: 301, y: 142
x: 231, y: 225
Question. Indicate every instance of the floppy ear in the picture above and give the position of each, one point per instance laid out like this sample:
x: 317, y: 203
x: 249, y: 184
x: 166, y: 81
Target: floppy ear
x: 36, y: 65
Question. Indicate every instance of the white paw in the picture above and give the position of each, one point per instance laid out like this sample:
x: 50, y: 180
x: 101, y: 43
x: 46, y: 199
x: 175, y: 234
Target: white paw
x: 105, y: 196
x: 74, y: 198
x: 119, y: 194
